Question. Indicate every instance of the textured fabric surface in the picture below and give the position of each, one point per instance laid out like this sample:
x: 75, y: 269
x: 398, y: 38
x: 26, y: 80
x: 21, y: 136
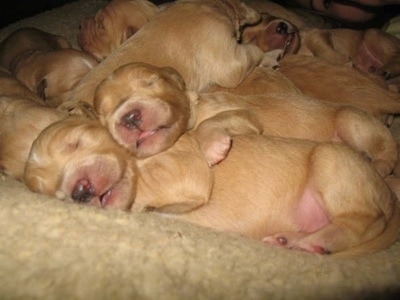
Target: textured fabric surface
x: 55, y: 250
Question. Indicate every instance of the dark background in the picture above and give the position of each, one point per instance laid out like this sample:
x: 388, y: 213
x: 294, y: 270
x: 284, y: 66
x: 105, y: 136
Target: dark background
x: 14, y: 10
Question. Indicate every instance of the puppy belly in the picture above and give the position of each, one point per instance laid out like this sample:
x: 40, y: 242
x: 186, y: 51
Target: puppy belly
x: 309, y: 214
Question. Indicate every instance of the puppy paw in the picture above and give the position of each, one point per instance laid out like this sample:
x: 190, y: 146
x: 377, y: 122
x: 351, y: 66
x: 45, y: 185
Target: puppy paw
x: 271, y: 58
x: 216, y: 149
x: 294, y: 241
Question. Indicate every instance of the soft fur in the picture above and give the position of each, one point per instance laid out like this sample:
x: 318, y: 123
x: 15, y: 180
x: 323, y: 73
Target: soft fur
x: 22, y: 118
x: 53, y: 75
x: 371, y: 50
x: 179, y: 36
x: 146, y: 109
x: 297, y: 189
x: 101, y: 34
x: 56, y: 250
x: 27, y: 39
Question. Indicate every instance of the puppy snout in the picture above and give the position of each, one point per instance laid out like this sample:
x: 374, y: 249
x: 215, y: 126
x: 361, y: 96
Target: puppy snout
x: 282, y: 28
x: 132, y: 120
x: 83, y: 191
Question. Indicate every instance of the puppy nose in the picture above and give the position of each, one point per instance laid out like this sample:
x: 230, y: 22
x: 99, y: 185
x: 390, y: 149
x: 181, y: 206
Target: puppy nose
x: 83, y: 191
x: 132, y: 119
x: 282, y: 28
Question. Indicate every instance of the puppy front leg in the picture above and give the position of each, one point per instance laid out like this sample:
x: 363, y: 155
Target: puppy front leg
x: 214, y: 135
x: 271, y: 58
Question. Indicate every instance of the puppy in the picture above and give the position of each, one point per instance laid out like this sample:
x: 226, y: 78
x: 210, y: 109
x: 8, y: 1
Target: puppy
x: 28, y: 39
x: 179, y: 37
x: 53, y: 75
x: 340, y: 84
x: 315, y: 200
x: 146, y: 109
x: 112, y: 25
x: 371, y: 50
x: 85, y: 164
x: 22, y: 118
x: 272, y: 33
x: 78, y: 160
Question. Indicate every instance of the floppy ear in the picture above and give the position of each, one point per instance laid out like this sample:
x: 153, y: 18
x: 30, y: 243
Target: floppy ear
x: 240, y: 15
x: 175, y: 76
x: 127, y: 33
x: 41, y: 88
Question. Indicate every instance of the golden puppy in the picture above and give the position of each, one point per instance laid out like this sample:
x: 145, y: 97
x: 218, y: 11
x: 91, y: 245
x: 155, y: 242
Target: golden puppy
x: 272, y: 33
x: 371, y: 50
x: 147, y: 108
x: 76, y: 159
x: 22, y: 117
x: 317, y: 197
x: 28, y: 39
x: 318, y: 78
x: 53, y: 74
x: 316, y: 200
x: 197, y: 38
x: 112, y: 25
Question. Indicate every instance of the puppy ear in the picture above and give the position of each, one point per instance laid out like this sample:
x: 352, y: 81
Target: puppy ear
x: 127, y: 33
x: 41, y: 88
x: 175, y: 76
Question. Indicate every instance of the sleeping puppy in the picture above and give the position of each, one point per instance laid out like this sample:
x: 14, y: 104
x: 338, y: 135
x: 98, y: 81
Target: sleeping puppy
x: 179, y: 37
x: 272, y: 33
x: 146, y: 109
x: 112, y: 25
x: 52, y: 75
x: 22, y: 118
x: 290, y: 193
x: 371, y: 50
x: 28, y: 39
x: 76, y: 159
x: 340, y: 84
x: 318, y: 210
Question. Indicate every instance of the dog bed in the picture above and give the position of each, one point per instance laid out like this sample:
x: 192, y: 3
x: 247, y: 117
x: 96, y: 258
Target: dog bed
x: 56, y: 250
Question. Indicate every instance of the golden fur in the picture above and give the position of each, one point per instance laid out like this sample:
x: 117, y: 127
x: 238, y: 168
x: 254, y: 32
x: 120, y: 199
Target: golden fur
x: 22, y: 117
x: 265, y: 189
x: 53, y: 75
x: 179, y: 36
x: 112, y: 25
x: 146, y: 109
x: 371, y: 50
x: 27, y: 39
x: 318, y: 78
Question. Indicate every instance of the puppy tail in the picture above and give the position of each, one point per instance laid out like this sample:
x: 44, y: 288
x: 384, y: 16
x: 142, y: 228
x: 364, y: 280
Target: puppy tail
x: 386, y: 239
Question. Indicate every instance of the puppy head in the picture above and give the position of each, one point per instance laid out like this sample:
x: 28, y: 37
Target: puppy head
x: 76, y: 159
x: 112, y: 25
x: 272, y: 33
x: 53, y: 75
x: 145, y: 108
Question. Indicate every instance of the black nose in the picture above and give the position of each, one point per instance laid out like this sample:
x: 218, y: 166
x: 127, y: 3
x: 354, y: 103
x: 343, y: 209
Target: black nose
x: 83, y: 191
x: 282, y: 28
x: 132, y: 119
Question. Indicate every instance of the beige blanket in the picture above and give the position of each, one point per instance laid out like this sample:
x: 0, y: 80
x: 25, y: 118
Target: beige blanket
x: 55, y: 250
